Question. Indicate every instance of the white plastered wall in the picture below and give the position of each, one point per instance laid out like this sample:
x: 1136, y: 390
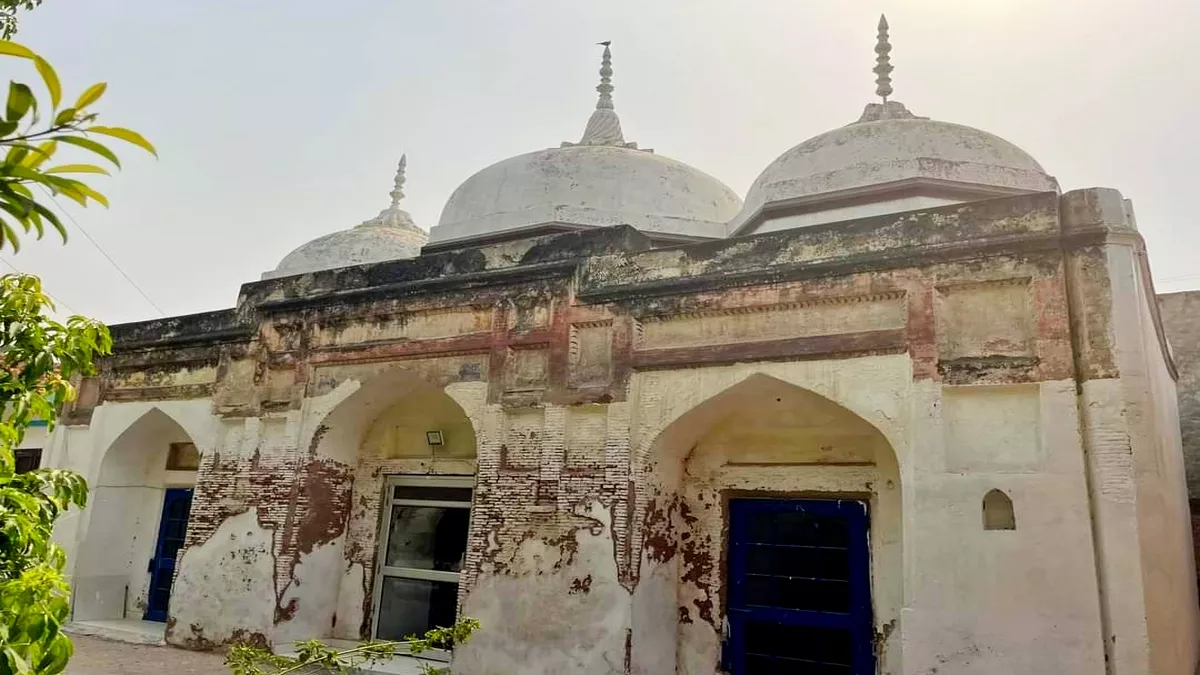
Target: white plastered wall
x: 968, y: 600
x: 1139, y: 488
x: 122, y: 454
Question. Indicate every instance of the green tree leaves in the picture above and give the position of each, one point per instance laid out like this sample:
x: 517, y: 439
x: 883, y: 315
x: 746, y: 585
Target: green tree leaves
x: 8, y: 15
x: 32, y: 141
x: 126, y: 135
x: 20, y: 101
x: 314, y: 656
x: 50, y: 78
x: 38, y: 358
x: 91, y: 95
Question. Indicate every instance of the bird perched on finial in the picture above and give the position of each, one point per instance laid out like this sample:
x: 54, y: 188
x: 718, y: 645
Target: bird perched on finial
x: 606, y: 43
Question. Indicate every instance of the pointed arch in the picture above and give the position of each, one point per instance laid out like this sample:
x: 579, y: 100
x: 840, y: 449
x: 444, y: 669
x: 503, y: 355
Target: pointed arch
x: 353, y: 406
x: 121, y: 523
x: 998, y: 513
x: 134, y: 453
x: 760, y: 396
x: 759, y: 437
x: 362, y: 431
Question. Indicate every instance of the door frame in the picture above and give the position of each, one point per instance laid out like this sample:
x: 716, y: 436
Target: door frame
x: 859, y: 621
x: 385, y: 519
x: 169, y: 494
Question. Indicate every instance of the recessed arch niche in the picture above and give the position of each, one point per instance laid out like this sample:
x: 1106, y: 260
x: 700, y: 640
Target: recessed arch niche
x: 377, y: 431
x: 122, y: 518
x: 762, y: 437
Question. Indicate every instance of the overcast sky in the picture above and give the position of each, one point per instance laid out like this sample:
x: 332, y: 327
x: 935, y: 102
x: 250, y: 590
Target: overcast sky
x: 280, y: 121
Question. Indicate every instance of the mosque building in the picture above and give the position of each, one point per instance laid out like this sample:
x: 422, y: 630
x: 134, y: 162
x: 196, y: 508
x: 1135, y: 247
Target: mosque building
x: 908, y: 408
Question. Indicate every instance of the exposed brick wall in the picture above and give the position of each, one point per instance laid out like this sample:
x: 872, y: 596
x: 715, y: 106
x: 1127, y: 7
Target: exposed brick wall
x: 304, y: 501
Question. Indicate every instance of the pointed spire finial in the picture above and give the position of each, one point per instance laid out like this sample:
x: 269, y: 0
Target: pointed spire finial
x: 604, y: 127
x: 393, y: 215
x: 883, y: 62
x: 605, y: 87
x: 398, y: 184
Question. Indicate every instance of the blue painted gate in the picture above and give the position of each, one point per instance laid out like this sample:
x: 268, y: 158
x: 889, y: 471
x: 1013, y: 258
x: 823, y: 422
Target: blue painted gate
x: 799, y: 588
x: 177, y: 502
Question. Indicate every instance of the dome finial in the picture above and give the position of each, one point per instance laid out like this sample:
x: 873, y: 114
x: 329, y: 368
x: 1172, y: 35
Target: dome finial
x: 605, y: 87
x: 393, y: 215
x: 883, y: 62
x: 397, y: 192
x: 604, y: 127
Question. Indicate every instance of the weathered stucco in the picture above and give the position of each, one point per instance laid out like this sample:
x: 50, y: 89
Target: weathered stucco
x: 1181, y: 320
x: 608, y: 399
x: 588, y: 186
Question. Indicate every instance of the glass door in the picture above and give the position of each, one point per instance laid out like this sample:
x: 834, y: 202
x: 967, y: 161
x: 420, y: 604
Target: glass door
x: 422, y: 547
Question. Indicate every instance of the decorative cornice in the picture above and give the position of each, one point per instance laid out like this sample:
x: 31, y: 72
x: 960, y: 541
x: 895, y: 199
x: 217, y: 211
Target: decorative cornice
x: 761, y: 309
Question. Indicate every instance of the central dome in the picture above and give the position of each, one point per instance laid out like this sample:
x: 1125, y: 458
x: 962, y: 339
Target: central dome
x: 597, y: 182
x: 589, y: 185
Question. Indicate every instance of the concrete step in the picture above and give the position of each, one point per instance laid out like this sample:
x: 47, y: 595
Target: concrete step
x: 132, y: 631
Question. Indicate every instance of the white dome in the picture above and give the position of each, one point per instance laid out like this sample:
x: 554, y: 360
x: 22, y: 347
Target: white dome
x: 391, y: 235
x: 360, y: 245
x: 588, y: 185
x: 599, y: 181
x: 893, y: 147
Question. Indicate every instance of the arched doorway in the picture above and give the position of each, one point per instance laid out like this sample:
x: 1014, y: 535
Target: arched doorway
x: 411, y: 446
x: 772, y: 537
x: 136, y: 522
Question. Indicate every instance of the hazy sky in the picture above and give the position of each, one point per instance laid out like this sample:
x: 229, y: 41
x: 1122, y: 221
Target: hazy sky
x: 279, y: 121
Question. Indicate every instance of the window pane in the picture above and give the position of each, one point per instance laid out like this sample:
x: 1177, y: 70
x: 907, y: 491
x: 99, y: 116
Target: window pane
x: 413, y: 606
x: 28, y: 459
x: 432, y: 493
x: 427, y: 537
x: 777, y: 648
x: 792, y: 593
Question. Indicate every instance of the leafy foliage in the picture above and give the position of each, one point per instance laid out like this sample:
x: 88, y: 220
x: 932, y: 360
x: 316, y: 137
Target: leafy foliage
x: 38, y: 358
x: 8, y: 15
x: 314, y: 656
x: 30, y: 136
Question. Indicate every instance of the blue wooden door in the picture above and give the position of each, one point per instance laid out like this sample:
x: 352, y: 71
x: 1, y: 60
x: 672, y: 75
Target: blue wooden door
x: 172, y: 528
x: 799, y: 588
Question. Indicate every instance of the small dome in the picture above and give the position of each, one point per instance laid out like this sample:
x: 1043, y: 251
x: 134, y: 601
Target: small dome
x: 884, y: 151
x: 599, y: 181
x: 391, y: 235
x: 888, y: 161
x: 589, y: 185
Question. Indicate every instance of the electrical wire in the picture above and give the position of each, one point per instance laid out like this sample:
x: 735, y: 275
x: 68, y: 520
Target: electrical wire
x: 102, y: 251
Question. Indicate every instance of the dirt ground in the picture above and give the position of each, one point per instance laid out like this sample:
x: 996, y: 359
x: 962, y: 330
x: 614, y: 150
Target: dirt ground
x: 94, y: 656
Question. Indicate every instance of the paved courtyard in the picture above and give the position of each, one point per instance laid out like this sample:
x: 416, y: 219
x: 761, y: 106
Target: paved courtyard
x: 94, y: 656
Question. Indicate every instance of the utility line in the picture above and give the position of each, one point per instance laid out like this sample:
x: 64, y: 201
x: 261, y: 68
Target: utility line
x: 101, y: 249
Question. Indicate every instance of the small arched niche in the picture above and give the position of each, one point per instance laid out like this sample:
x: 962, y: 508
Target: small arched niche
x: 998, y: 511
x: 112, y: 580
